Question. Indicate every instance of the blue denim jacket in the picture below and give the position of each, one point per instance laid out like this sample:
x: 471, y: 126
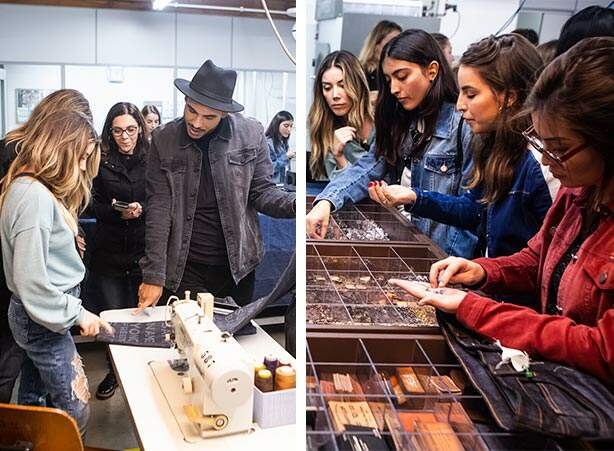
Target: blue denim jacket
x: 279, y: 158
x: 436, y: 170
x: 503, y: 227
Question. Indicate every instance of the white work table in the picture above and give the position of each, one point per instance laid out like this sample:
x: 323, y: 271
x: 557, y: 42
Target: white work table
x: 154, y: 422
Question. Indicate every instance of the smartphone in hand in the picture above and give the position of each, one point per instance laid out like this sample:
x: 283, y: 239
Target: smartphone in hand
x: 121, y: 206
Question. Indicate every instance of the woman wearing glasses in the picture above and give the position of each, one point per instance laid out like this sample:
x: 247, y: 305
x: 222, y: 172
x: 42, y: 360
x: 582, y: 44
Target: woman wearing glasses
x: 119, y: 198
x: 568, y: 267
x: 508, y: 193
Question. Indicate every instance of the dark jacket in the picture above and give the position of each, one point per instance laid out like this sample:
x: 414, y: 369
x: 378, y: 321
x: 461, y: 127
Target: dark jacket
x: 241, y: 170
x: 7, y: 155
x: 120, y: 243
x: 503, y: 227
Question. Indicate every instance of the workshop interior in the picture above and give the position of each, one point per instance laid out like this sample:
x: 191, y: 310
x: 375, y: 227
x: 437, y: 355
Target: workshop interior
x: 328, y: 225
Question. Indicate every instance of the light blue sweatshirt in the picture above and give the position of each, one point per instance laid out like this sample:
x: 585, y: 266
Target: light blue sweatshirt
x: 40, y: 258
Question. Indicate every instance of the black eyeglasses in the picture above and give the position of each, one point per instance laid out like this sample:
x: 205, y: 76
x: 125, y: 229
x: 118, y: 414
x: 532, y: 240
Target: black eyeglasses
x: 130, y: 131
x: 534, y: 139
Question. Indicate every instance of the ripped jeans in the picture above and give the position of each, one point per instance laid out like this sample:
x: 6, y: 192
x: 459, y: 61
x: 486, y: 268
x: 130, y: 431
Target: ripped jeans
x: 52, y: 374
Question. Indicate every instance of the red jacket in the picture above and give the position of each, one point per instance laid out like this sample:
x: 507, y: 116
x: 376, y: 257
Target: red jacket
x: 583, y: 336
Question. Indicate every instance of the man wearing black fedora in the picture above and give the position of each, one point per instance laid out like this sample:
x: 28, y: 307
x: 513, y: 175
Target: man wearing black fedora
x: 208, y: 174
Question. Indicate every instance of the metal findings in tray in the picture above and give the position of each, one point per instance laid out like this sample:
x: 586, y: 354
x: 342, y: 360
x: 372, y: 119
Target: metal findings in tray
x: 369, y: 222
x: 348, y: 285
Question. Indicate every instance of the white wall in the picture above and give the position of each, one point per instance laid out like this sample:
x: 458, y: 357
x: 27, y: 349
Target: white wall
x: 478, y: 19
x: 47, y: 34
x: 47, y: 78
x: 79, y: 45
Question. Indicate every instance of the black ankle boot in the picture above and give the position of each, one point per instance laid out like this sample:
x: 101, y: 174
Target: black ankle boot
x: 107, y: 387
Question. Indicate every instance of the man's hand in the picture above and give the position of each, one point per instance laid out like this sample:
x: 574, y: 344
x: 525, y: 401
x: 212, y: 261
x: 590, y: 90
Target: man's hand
x: 317, y: 220
x: 390, y: 195
x: 91, y: 325
x: 445, y: 299
x: 149, y: 295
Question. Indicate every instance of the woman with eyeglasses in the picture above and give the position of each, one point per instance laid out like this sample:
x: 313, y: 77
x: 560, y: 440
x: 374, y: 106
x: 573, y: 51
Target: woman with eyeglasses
x: 46, y: 187
x: 568, y: 267
x: 420, y: 139
x: 277, y: 135
x: 508, y: 191
x: 119, y: 200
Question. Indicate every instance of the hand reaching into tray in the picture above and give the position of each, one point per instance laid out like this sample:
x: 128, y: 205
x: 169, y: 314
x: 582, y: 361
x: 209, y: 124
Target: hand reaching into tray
x: 317, y: 220
x: 445, y: 299
x: 456, y: 270
x: 391, y: 195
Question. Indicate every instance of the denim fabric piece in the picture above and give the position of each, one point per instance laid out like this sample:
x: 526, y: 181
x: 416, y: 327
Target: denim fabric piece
x: 553, y: 399
x: 52, y: 373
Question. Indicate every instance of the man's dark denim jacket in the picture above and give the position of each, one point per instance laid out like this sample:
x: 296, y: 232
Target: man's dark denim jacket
x: 241, y: 170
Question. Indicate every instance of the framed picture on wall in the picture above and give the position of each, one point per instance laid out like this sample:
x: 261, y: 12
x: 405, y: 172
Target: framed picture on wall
x: 26, y: 100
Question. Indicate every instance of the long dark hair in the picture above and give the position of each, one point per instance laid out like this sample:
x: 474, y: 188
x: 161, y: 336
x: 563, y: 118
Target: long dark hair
x: 509, y: 64
x: 108, y: 142
x: 151, y: 109
x: 391, y: 120
x: 590, y: 22
x: 577, y: 90
x: 272, y: 130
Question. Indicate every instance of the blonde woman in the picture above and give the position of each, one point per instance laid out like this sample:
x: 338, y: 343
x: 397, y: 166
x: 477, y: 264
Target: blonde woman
x: 371, y: 50
x: 45, y: 189
x: 340, y: 119
x: 63, y: 99
x: 11, y: 355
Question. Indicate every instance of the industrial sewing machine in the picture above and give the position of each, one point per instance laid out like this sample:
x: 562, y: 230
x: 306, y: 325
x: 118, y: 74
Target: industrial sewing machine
x: 215, y: 396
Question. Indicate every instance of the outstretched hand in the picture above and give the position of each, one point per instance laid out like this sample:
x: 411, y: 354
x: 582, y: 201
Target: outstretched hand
x: 445, y: 299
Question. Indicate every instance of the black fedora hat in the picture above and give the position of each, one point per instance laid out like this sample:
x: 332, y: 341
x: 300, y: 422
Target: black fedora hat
x: 212, y: 86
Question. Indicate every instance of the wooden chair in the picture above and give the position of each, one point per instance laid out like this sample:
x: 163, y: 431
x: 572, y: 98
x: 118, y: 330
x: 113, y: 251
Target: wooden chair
x: 45, y: 428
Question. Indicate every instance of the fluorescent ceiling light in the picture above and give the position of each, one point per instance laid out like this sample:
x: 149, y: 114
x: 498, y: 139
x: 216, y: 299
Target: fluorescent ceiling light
x: 160, y: 4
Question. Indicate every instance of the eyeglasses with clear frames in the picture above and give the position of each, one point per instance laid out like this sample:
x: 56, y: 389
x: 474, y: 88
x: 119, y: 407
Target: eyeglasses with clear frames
x: 535, y: 140
x: 130, y: 131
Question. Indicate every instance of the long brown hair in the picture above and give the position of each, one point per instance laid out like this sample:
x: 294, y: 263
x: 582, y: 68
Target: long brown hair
x: 369, y: 56
x: 391, y: 120
x: 577, y: 89
x: 322, y: 120
x: 509, y: 64
x: 52, y: 150
x: 62, y: 99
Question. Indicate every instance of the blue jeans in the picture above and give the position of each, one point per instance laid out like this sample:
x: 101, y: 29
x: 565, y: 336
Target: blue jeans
x: 52, y: 373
